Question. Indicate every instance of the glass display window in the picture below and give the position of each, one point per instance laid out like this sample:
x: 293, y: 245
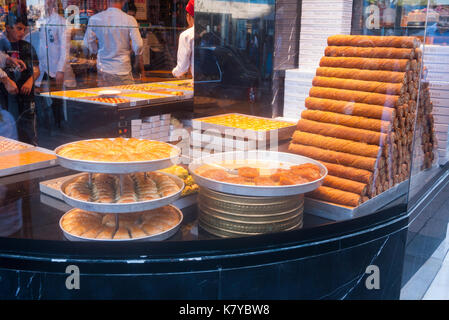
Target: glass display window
x: 277, y: 134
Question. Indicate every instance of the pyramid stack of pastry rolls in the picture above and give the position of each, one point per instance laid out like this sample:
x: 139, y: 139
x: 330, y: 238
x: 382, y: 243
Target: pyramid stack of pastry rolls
x: 360, y: 115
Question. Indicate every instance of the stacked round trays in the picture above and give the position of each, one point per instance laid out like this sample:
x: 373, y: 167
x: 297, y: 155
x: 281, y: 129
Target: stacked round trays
x: 120, y: 169
x: 229, y: 210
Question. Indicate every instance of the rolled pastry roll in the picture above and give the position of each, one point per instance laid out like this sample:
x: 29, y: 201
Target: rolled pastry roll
x: 355, y: 96
x: 336, y: 196
x: 342, y: 132
x: 347, y: 120
x: 346, y: 159
x: 351, y: 108
x: 363, y: 74
x: 136, y: 231
x: 146, y: 188
x: 166, y: 186
x: 84, y: 226
x: 360, y: 85
x: 345, y: 185
x: 373, y: 41
x: 336, y: 144
x: 128, y: 193
x: 125, y: 219
x: 70, y: 224
x: 72, y: 218
x: 401, y: 65
x: 367, y: 52
x: 103, y: 185
x: 338, y: 170
x: 80, y: 189
x: 93, y: 233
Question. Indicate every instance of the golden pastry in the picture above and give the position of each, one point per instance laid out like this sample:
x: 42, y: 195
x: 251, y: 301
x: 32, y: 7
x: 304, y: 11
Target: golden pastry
x: 122, y: 233
x: 166, y: 185
x: 117, y: 150
x: 246, y: 122
x: 136, y: 231
x: 109, y: 100
x: 8, y: 145
x: 106, y: 233
x: 103, y: 187
x: 145, y: 187
x: 24, y: 158
x: 133, y: 225
x: 136, y: 187
x: 93, y: 233
x: 72, y: 94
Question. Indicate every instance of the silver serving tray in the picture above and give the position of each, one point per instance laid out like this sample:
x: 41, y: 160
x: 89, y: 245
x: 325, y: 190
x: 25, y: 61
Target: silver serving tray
x: 156, y: 237
x: 116, y: 167
x: 122, y: 207
x: 27, y: 167
x: 133, y: 102
x: 257, y: 191
x: 338, y: 212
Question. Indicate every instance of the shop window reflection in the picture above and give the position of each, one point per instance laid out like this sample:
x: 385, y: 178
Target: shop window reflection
x: 241, y: 41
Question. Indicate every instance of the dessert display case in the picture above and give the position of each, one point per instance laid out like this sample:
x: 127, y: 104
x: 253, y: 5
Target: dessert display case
x: 135, y: 197
x: 127, y: 95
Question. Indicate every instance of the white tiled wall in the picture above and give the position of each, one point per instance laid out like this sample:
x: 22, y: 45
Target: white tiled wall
x: 436, y: 61
x: 319, y: 20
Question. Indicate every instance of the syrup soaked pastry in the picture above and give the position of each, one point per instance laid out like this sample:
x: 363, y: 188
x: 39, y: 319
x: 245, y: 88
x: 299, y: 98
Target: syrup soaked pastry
x: 252, y: 176
x: 117, y: 150
x: 127, y: 193
x: 146, y: 187
x: 104, y: 188
x: 136, y: 187
x: 134, y: 225
x: 80, y: 189
x: 165, y: 184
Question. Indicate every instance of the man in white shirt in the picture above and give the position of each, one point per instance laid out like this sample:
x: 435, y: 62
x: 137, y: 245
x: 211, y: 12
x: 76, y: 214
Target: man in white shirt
x: 186, y: 45
x: 117, y: 34
x: 54, y: 46
x: 52, y: 43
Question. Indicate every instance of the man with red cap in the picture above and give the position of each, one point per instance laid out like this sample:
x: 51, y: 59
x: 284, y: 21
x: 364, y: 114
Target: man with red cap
x: 186, y: 44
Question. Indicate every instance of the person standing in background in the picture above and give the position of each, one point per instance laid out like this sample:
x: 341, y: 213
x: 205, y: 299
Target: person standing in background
x: 53, y: 45
x: 20, y: 105
x: 118, y: 34
x: 186, y: 45
x: 131, y: 9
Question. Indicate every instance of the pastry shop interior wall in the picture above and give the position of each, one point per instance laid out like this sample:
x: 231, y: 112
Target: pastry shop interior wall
x: 336, y: 117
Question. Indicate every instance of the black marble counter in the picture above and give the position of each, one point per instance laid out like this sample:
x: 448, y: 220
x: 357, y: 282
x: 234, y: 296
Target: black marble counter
x: 322, y: 260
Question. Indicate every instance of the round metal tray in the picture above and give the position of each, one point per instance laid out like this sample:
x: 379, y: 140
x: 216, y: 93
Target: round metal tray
x: 233, y: 234
x: 116, y: 167
x: 258, y: 191
x: 216, y: 213
x: 256, y: 206
x: 228, y: 223
x: 155, y: 237
x: 122, y: 207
